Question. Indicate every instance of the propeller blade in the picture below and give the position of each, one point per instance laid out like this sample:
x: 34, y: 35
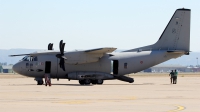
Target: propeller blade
x: 62, y: 49
x: 51, y: 46
x: 61, y: 42
x: 61, y: 55
x: 62, y: 64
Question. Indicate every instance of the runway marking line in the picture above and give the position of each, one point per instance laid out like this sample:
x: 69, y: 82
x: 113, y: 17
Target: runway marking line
x: 179, y: 108
x: 132, y: 98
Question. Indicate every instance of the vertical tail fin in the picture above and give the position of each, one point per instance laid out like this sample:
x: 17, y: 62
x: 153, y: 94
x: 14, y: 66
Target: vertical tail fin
x: 176, y: 35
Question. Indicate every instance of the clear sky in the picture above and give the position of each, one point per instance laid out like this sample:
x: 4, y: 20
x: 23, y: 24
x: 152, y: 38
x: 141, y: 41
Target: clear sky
x: 87, y: 24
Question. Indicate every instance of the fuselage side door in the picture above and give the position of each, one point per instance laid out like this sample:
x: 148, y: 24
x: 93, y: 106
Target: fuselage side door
x: 51, y: 66
x: 115, y: 66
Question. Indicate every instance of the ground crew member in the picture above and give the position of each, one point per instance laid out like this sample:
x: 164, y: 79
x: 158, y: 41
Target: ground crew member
x: 172, y: 76
x: 175, y: 77
x: 47, y: 79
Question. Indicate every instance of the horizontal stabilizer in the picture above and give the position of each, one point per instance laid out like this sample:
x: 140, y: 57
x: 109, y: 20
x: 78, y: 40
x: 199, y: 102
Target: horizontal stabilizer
x: 176, y: 51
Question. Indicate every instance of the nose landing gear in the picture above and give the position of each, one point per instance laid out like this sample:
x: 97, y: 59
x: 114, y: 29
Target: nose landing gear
x: 39, y: 81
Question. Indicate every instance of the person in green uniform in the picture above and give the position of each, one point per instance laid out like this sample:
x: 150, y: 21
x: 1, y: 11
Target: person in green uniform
x: 172, y: 76
x: 175, y: 77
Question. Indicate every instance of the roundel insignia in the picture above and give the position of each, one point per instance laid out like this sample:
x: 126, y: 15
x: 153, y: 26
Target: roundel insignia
x: 141, y: 62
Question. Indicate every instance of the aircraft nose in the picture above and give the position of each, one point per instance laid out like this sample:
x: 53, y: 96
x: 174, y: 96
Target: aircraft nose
x: 15, y: 68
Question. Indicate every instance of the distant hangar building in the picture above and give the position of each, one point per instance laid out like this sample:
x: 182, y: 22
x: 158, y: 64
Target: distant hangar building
x: 6, y: 69
x: 167, y: 68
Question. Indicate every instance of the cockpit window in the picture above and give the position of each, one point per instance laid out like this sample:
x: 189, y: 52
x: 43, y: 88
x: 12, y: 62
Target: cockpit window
x: 35, y: 59
x: 25, y: 58
x: 30, y: 58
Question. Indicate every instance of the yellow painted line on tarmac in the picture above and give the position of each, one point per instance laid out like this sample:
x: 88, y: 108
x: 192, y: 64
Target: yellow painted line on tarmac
x: 132, y: 98
x: 179, y: 108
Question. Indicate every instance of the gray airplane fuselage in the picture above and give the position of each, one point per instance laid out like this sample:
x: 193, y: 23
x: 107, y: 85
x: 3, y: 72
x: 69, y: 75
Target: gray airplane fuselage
x: 128, y: 62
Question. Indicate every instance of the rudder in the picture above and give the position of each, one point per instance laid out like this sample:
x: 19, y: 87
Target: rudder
x: 176, y: 35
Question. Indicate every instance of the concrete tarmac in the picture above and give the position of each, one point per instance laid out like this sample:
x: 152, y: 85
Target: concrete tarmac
x: 146, y: 94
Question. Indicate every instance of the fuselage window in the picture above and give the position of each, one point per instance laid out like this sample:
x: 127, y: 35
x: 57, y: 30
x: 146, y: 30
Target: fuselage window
x: 35, y: 59
x: 125, y: 65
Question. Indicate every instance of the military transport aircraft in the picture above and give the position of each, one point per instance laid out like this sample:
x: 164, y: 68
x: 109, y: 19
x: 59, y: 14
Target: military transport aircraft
x: 96, y: 65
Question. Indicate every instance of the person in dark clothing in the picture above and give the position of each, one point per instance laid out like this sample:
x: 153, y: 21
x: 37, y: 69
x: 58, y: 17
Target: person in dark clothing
x: 172, y: 76
x: 175, y: 77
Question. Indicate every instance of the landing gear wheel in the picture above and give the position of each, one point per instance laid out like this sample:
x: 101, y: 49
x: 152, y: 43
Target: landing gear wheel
x: 40, y: 82
x: 81, y: 82
x: 94, y: 81
x: 87, y: 81
x: 99, y: 81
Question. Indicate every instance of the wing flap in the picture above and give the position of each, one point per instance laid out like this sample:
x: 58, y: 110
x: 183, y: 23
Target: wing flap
x: 101, y: 50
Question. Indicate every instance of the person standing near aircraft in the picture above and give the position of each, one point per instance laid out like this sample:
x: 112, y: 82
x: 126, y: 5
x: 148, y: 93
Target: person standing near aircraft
x: 172, y: 76
x: 175, y: 77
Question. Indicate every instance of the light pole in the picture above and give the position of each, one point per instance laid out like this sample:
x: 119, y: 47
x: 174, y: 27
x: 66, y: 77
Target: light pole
x: 197, y: 62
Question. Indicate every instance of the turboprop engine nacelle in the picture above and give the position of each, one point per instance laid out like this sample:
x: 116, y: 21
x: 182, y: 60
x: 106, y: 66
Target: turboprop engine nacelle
x: 89, y: 75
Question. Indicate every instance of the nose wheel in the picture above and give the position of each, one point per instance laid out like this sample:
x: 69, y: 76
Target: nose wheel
x: 40, y: 82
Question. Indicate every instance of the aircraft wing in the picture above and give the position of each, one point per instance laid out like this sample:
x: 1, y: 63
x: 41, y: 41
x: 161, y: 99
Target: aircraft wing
x: 87, y: 56
x: 101, y: 50
x: 37, y: 53
x: 77, y: 57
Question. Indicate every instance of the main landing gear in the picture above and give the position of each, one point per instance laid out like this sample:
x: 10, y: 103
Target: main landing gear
x: 88, y: 81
